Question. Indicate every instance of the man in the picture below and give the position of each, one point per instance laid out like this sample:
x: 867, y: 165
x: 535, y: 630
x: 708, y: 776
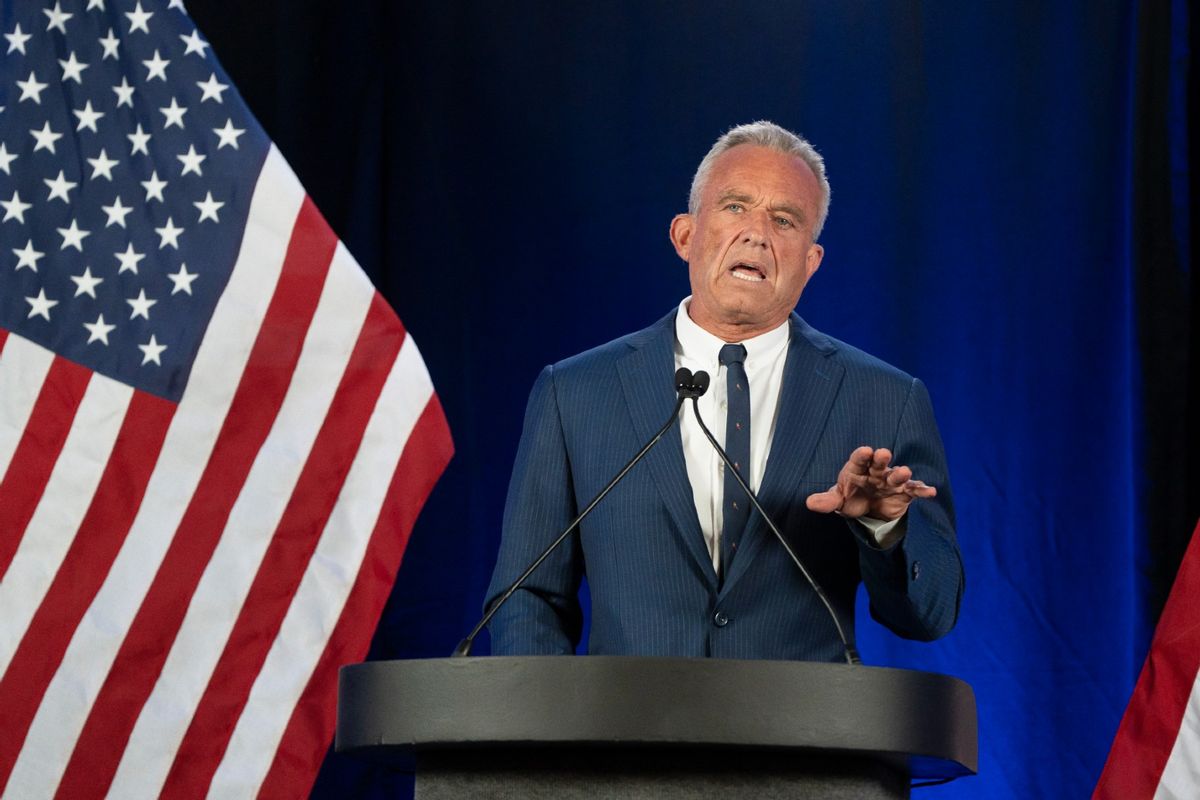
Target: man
x: 676, y: 563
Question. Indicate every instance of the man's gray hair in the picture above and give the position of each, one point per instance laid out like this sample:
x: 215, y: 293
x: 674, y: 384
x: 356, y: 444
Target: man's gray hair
x: 765, y: 134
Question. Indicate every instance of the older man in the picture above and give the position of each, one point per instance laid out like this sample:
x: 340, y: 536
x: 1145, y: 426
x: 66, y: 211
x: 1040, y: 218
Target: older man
x: 676, y: 561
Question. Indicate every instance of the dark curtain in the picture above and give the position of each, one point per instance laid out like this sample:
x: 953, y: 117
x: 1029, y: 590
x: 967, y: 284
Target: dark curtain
x: 1011, y: 222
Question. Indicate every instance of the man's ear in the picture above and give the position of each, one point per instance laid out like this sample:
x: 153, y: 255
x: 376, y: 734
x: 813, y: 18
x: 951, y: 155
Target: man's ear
x: 813, y: 260
x: 681, y: 234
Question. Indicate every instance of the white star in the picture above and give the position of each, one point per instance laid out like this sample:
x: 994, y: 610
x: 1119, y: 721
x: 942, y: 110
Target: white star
x: 99, y: 330
x: 59, y: 188
x: 31, y: 89
x: 212, y: 88
x: 194, y: 43
x: 191, y: 161
x: 177, y: 4
x: 139, y: 18
x: 157, y: 67
x: 15, y: 209
x: 151, y: 350
x: 72, y: 69
x: 174, y: 114
x: 86, y: 283
x: 229, y: 135
x: 182, y: 279
x: 140, y: 305
x: 102, y: 166
x: 87, y: 117
x: 95, y: 4
x: 58, y: 20
x: 110, y: 44
x: 154, y: 188
x: 168, y: 235
x: 17, y: 40
x: 117, y: 213
x: 45, y: 138
x: 129, y: 260
x: 138, y: 139
x: 208, y: 208
x: 73, y: 236
x: 40, y: 306
x: 27, y: 256
x: 6, y: 158
x: 124, y: 93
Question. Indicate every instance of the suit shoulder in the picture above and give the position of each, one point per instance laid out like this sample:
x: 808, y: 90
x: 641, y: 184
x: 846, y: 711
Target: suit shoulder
x: 603, y: 357
x: 850, y: 357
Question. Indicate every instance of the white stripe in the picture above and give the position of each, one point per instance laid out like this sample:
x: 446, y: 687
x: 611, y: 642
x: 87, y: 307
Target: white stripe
x: 234, y: 565
x: 23, y: 368
x: 327, y: 582
x: 186, y: 448
x: 62, y: 507
x: 1181, y: 775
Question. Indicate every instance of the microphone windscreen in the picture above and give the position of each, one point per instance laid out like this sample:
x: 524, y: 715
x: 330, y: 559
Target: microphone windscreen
x: 683, y: 378
x: 700, y: 382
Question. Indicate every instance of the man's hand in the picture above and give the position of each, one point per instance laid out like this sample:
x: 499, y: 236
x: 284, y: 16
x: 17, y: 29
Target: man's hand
x: 867, y: 486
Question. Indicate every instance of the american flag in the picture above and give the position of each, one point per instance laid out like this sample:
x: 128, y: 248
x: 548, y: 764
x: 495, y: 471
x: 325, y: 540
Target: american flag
x: 214, y: 434
x: 1156, y: 752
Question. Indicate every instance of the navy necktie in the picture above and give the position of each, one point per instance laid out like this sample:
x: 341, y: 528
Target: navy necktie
x: 735, y: 505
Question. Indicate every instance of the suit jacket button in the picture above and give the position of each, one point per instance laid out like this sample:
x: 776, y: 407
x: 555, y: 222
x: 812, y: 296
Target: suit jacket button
x: 720, y: 620
x: 916, y: 570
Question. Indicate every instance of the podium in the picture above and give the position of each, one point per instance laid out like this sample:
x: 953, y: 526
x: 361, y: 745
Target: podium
x: 622, y: 727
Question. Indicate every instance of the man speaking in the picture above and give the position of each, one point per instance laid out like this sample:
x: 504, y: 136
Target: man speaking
x: 841, y: 448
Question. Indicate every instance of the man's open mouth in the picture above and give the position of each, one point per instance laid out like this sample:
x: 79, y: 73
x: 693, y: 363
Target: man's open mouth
x: 748, y: 272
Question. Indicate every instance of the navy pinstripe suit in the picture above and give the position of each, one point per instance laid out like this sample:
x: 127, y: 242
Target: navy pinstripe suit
x: 652, y: 583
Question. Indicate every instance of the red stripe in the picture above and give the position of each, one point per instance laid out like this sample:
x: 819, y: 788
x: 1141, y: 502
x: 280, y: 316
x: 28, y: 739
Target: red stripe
x: 288, y: 555
x: 37, y: 452
x: 3, y: 338
x: 1152, y: 720
x: 87, y: 562
x: 310, y: 728
x: 259, y: 394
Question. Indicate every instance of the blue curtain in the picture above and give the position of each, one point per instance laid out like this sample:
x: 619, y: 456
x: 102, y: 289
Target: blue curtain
x: 1010, y: 221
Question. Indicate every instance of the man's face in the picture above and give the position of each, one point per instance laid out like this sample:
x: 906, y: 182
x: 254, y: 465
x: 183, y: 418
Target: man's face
x: 749, y: 247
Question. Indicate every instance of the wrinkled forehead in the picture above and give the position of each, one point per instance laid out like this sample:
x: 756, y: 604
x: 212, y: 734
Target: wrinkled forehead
x: 758, y: 172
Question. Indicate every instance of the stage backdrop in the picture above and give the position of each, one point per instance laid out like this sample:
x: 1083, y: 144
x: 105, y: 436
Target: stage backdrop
x: 1009, y: 222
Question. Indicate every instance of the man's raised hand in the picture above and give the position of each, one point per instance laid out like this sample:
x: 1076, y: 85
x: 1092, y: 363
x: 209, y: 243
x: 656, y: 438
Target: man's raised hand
x: 868, y: 486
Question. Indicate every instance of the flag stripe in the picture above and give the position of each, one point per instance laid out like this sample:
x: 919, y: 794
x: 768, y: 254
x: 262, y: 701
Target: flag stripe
x: 36, y: 453
x: 23, y: 369
x: 285, y: 562
x: 190, y: 439
x: 69, y: 488
x: 1157, y: 716
x: 327, y: 581
x: 316, y: 709
x: 83, y: 569
x: 222, y: 590
x: 250, y: 419
x: 1181, y: 775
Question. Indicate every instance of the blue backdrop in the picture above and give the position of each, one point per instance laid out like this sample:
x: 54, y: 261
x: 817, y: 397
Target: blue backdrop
x: 507, y: 173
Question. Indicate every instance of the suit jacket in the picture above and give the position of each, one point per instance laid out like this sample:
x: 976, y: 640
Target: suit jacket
x: 651, y: 581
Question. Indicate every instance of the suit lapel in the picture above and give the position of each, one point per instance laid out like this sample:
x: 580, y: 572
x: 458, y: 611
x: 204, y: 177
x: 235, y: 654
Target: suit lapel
x: 810, y: 384
x: 646, y: 380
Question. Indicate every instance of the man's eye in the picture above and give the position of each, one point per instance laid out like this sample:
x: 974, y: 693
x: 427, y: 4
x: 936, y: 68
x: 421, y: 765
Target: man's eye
x: 783, y: 222
x: 735, y: 207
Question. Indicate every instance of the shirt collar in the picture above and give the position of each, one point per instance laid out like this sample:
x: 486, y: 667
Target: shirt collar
x: 695, y: 343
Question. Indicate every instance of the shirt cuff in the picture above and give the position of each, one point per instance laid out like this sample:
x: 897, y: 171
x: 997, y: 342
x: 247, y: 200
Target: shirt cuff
x: 884, y: 533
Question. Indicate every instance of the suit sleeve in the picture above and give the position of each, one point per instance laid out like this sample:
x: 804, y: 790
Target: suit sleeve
x: 916, y: 585
x: 543, y: 617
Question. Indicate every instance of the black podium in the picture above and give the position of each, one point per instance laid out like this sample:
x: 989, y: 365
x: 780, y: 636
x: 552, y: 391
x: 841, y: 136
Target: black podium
x: 607, y: 727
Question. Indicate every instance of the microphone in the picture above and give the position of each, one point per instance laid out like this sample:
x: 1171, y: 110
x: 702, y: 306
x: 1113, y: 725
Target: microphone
x: 686, y: 385
x: 700, y: 379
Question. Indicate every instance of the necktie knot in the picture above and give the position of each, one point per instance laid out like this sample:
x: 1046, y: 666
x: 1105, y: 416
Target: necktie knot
x: 732, y: 354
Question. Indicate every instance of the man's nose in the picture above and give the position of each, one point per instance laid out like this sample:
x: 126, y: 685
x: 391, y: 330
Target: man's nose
x: 755, y: 232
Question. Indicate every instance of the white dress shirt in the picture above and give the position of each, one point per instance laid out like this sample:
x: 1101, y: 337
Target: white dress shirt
x: 697, y: 349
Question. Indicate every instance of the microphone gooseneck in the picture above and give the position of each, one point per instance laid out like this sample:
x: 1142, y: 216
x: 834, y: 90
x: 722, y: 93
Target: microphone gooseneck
x: 685, y: 387
x: 851, y: 653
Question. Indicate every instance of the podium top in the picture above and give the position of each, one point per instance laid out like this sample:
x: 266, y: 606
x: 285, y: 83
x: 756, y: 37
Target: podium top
x: 393, y: 708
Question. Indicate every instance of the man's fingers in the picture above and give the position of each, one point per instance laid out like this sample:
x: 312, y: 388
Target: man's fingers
x: 825, y: 502
x: 860, y: 460
x: 919, y: 489
x: 899, y: 476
